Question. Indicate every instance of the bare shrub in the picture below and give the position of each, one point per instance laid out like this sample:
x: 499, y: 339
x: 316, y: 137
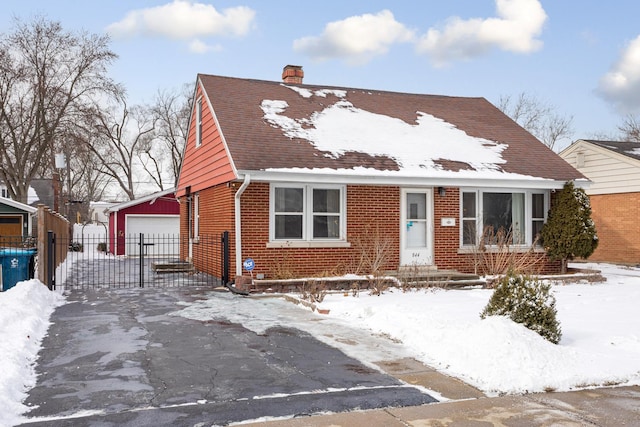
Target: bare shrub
x: 496, y: 254
x: 314, y: 291
x: 282, y: 269
x: 373, y: 250
x: 355, y: 289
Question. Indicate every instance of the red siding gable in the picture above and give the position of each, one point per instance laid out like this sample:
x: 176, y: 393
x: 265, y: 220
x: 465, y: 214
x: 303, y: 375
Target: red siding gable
x: 209, y: 164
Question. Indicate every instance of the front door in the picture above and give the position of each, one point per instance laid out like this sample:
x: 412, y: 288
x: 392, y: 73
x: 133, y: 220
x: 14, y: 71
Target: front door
x: 416, y: 234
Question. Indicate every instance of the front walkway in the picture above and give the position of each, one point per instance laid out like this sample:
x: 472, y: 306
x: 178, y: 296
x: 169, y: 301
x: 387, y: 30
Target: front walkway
x: 604, y: 407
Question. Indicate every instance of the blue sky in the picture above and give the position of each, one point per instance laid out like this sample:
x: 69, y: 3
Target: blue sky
x: 583, y: 57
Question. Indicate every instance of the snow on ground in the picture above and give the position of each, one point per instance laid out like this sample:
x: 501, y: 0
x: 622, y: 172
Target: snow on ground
x: 24, y: 320
x: 600, y: 343
x: 600, y: 333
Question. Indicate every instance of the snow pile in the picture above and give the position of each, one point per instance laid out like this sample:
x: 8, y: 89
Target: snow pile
x: 24, y: 319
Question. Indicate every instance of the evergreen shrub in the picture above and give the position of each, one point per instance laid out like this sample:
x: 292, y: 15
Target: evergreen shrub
x: 527, y: 301
x: 569, y: 231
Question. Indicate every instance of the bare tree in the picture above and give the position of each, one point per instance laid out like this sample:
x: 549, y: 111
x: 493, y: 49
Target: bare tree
x: 119, y: 135
x: 172, y: 110
x: 88, y: 179
x: 537, y: 117
x: 630, y: 129
x: 47, y: 76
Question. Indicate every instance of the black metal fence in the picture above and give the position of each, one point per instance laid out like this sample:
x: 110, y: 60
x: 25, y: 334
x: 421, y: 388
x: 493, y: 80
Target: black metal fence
x: 142, y: 261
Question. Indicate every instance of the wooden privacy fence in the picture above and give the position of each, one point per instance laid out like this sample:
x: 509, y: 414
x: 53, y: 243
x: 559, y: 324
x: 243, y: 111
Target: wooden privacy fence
x: 53, y: 229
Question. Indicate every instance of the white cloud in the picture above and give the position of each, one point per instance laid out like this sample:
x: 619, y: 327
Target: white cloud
x: 198, y: 46
x: 183, y: 19
x: 515, y: 29
x: 356, y: 39
x: 621, y: 85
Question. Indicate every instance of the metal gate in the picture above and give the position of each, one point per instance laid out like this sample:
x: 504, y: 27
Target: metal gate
x: 158, y: 261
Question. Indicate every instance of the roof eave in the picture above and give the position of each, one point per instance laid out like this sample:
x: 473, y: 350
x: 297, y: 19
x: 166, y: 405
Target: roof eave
x: 150, y: 197
x: 18, y: 205
x: 335, y: 177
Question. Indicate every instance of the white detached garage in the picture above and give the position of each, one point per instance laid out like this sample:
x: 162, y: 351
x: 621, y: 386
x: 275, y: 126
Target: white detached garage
x: 156, y: 217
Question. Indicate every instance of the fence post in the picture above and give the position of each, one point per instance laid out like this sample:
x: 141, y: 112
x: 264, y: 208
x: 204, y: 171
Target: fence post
x: 51, y: 260
x: 225, y: 258
x: 141, y: 260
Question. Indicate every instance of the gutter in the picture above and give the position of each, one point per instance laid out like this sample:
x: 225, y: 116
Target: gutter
x: 238, y: 223
x: 332, y: 176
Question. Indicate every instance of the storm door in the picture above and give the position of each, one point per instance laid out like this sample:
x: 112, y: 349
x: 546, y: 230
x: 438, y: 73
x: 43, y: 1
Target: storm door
x: 416, y: 234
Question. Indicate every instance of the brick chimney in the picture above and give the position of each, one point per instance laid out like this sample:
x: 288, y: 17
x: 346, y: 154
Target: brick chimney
x: 292, y: 74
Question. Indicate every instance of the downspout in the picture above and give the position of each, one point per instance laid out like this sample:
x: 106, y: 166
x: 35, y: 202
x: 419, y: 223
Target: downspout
x: 238, y: 223
x: 116, y: 235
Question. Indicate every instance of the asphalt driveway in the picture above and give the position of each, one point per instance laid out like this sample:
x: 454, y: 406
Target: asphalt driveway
x: 123, y: 357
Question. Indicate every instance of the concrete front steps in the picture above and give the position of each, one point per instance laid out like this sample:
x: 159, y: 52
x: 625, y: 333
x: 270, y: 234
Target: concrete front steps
x: 172, y: 267
x: 432, y: 277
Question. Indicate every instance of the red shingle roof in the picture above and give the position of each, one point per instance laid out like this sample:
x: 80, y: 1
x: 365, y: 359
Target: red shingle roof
x: 256, y: 145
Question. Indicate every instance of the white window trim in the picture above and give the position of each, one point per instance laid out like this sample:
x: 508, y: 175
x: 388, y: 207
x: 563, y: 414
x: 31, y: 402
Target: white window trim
x: 307, y: 240
x: 199, y: 122
x: 196, y: 217
x: 480, y: 213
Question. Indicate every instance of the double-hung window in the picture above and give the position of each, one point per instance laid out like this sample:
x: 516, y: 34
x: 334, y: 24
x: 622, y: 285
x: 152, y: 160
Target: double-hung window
x: 492, y: 217
x: 307, y: 212
x: 538, y: 212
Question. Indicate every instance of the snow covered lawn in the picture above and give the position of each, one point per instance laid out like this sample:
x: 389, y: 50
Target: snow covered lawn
x: 600, y: 334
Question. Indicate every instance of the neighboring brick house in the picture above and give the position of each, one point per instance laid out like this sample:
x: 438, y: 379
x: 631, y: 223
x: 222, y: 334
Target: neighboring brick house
x: 614, y: 169
x: 302, y: 175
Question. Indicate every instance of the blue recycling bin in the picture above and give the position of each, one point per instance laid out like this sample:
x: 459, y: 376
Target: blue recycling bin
x: 15, y: 263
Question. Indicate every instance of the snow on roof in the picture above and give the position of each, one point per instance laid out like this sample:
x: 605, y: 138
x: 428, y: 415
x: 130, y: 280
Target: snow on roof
x: 634, y: 152
x: 306, y: 93
x: 341, y: 128
x: 626, y: 148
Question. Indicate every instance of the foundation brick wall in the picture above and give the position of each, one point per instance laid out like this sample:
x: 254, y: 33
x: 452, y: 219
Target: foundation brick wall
x: 617, y: 220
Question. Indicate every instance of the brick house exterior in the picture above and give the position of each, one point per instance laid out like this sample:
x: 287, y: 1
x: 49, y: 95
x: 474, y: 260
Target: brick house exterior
x: 614, y: 169
x: 299, y: 210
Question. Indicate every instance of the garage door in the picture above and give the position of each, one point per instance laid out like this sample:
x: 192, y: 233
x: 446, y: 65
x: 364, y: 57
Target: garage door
x: 161, y: 234
x: 10, y: 230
